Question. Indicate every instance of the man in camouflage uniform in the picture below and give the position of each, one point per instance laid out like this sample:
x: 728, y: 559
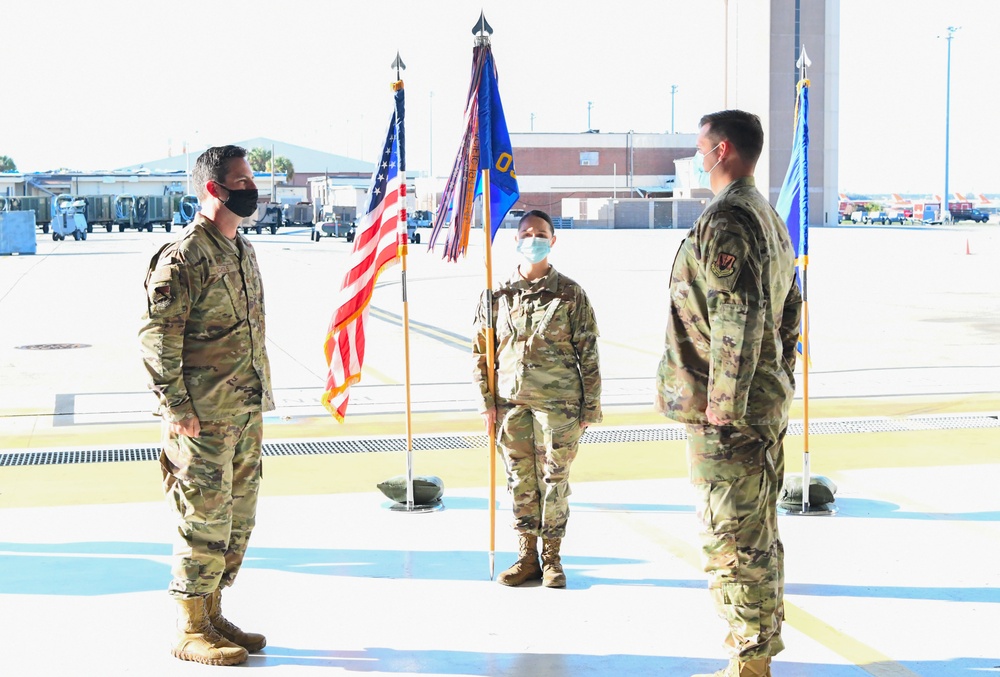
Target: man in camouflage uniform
x: 548, y: 390
x: 727, y: 372
x: 203, y: 346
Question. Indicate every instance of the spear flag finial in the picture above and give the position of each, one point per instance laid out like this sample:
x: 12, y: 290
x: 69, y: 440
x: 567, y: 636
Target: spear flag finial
x: 803, y: 62
x: 398, y: 65
x: 481, y: 26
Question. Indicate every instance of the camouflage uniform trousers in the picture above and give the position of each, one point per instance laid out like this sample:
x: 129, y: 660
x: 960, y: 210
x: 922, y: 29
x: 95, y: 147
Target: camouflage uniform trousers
x: 211, y: 485
x: 538, y: 448
x: 737, y: 473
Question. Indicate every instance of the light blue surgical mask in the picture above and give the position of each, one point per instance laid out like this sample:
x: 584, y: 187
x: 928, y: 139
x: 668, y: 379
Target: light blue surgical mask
x: 701, y: 177
x: 533, y: 249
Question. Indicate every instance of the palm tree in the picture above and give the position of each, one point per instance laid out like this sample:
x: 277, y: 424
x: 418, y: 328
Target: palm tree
x: 6, y: 164
x: 259, y: 158
x: 283, y: 164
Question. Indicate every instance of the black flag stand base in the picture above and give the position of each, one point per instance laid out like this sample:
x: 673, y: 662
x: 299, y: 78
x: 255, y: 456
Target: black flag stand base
x: 417, y: 507
x: 823, y: 509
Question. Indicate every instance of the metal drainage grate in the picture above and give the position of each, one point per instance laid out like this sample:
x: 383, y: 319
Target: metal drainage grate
x: 658, y: 433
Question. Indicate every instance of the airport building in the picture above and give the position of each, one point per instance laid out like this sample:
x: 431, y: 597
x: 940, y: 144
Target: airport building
x: 616, y: 180
x: 764, y: 38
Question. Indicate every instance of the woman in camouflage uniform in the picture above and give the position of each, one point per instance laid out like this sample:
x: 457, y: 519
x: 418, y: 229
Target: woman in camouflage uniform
x: 548, y: 390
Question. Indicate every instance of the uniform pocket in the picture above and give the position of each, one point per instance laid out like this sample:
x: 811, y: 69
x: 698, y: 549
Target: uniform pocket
x: 236, y: 296
x: 723, y: 454
x: 564, y: 436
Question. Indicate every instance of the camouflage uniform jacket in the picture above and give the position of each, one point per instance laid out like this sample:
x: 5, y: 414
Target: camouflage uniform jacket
x: 546, y: 345
x: 202, y: 335
x: 734, y: 315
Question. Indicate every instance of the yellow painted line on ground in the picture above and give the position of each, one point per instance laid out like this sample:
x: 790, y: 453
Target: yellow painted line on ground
x: 449, y: 338
x: 855, y: 651
x: 34, y: 430
x: 103, y: 483
x: 870, y: 660
x: 378, y: 376
x: 86, y: 483
x: 626, y: 346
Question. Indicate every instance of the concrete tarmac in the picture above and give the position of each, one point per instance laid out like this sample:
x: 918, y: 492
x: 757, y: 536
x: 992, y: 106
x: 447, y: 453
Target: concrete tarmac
x: 903, y: 404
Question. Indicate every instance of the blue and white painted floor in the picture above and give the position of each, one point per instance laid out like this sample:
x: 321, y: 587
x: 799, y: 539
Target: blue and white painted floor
x: 902, y: 581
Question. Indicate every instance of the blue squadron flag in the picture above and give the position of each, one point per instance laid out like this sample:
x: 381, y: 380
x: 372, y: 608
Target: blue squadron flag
x: 485, y: 145
x: 793, y: 200
x: 495, y: 151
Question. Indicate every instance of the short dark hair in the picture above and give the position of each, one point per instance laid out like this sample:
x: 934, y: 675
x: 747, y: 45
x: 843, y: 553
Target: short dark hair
x: 740, y: 128
x: 213, y: 165
x: 539, y: 214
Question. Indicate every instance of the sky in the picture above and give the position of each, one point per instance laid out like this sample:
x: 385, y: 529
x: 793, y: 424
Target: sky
x: 133, y: 81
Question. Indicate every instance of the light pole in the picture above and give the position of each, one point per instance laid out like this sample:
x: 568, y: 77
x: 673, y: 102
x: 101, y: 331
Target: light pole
x: 673, y: 90
x: 187, y: 161
x: 590, y: 104
x: 945, y: 213
x: 532, y: 122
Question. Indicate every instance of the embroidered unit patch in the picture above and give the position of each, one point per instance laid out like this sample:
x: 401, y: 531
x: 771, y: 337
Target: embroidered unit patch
x: 724, y: 265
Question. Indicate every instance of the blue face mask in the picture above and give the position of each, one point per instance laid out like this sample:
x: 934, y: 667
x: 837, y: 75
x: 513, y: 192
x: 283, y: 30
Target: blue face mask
x: 702, y: 178
x: 533, y: 249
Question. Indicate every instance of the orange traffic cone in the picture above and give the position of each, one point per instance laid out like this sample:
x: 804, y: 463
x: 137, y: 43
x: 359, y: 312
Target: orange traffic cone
x: 967, y: 252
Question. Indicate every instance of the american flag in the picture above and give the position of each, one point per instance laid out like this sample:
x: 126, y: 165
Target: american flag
x: 378, y: 234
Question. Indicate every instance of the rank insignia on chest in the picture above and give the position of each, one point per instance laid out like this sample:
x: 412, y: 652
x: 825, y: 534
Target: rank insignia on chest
x: 724, y: 265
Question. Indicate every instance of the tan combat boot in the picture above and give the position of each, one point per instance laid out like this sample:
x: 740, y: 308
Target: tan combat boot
x: 198, y: 641
x: 251, y: 641
x: 526, y: 568
x: 552, y: 571
x: 758, y: 667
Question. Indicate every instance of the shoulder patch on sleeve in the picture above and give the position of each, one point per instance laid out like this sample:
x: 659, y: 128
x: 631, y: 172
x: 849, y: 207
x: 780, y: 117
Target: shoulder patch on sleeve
x: 724, y: 264
x: 164, y: 292
x: 725, y: 257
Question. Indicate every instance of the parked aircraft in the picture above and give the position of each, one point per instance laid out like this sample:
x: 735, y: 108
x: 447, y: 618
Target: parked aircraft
x: 986, y: 203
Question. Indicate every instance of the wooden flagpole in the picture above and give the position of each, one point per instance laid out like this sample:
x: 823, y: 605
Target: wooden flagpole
x: 406, y: 344
x: 805, y: 385
x: 490, y: 363
x: 402, y: 249
x: 402, y: 242
x: 802, y: 63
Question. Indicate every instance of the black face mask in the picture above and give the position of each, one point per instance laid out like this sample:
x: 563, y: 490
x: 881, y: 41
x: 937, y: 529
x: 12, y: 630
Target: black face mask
x: 241, y: 202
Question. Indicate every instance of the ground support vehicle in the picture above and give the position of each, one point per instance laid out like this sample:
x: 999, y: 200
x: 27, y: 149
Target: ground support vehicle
x: 68, y: 218
x: 144, y: 211
x: 335, y: 227
x: 40, y: 204
x: 125, y: 216
x: 877, y: 217
x: 187, y: 207
x: 156, y: 209
x: 268, y: 215
x: 975, y: 215
x: 272, y: 218
x: 299, y: 214
x: 420, y: 218
x: 99, y: 211
x: 896, y: 216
